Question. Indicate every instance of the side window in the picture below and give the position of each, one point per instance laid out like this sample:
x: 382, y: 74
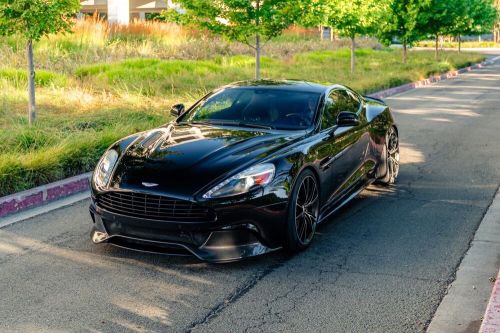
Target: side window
x: 337, y: 101
x: 330, y: 114
x: 347, y: 101
x: 354, y: 102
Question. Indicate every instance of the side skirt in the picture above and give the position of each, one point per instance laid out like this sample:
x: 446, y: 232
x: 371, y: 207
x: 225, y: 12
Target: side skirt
x: 343, y: 200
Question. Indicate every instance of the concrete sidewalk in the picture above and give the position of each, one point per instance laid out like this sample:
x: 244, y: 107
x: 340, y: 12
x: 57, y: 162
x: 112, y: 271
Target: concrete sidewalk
x: 463, y: 307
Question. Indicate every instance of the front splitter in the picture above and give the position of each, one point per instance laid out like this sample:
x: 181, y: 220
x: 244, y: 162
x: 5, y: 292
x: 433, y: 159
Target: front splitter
x: 219, y: 254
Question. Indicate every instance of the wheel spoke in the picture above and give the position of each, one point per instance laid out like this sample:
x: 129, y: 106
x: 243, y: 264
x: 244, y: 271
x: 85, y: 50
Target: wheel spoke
x: 312, y: 191
x: 306, y: 189
x: 393, y: 161
x: 309, y: 215
x: 302, y: 233
x: 311, y: 202
x: 393, y: 142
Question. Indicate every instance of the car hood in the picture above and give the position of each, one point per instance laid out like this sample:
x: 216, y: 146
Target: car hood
x: 180, y: 159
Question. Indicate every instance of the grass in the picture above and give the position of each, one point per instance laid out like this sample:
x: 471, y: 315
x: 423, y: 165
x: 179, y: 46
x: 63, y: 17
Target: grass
x: 465, y: 44
x: 99, y: 84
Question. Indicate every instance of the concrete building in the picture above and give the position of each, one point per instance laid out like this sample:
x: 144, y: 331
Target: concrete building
x: 122, y: 11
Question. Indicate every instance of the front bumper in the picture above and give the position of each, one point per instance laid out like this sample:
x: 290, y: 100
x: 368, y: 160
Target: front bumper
x: 242, y: 230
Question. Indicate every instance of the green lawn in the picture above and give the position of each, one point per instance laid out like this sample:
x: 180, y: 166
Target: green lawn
x: 86, y: 101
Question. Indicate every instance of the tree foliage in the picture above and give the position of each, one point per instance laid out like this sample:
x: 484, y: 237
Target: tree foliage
x: 351, y: 18
x: 240, y: 20
x: 472, y: 17
x: 243, y: 20
x: 354, y: 18
x: 456, y: 17
x: 412, y: 20
x: 36, y: 18
x: 401, y: 22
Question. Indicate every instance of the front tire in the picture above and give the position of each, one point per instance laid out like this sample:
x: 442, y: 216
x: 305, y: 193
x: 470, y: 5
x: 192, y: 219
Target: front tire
x: 392, y: 157
x: 303, y: 212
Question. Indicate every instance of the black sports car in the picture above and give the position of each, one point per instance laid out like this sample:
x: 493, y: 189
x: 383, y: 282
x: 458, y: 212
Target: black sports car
x: 250, y: 168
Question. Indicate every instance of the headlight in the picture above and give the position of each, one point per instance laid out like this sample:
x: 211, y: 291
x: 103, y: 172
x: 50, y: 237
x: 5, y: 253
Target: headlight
x: 258, y: 175
x: 105, y: 167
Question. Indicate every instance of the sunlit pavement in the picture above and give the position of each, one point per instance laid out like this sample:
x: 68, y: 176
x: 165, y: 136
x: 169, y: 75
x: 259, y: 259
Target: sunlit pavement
x: 381, y: 265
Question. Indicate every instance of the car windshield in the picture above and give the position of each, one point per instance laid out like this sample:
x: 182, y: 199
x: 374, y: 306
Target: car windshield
x: 256, y: 107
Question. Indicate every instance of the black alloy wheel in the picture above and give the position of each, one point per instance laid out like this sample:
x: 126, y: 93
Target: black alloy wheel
x: 392, y: 162
x: 303, y: 212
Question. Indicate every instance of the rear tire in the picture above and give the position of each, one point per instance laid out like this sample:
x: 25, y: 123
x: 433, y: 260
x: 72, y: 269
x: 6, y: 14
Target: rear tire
x: 303, y: 212
x: 392, y: 157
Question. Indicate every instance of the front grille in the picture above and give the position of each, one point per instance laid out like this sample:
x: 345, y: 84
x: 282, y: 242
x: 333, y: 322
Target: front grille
x: 154, y: 207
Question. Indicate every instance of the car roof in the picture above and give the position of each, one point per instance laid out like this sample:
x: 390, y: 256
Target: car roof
x: 297, y: 85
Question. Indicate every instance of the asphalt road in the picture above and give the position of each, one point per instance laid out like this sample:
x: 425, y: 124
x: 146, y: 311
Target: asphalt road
x: 380, y: 265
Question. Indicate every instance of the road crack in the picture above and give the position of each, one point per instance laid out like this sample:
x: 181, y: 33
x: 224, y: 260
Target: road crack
x: 235, y: 295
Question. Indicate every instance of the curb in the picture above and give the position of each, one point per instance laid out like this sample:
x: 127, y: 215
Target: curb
x: 44, y: 194
x: 491, y: 321
x: 462, y: 308
x: 431, y: 80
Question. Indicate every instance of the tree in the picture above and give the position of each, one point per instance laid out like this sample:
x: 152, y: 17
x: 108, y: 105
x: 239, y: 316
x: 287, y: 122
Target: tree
x: 496, y: 30
x: 436, y: 18
x: 173, y: 15
x: 316, y: 15
x: 250, y: 22
x: 401, y: 22
x: 472, y: 17
x: 351, y: 18
x: 34, y: 19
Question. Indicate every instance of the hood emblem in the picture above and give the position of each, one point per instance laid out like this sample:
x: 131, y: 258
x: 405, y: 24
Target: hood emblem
x: 149, y: 184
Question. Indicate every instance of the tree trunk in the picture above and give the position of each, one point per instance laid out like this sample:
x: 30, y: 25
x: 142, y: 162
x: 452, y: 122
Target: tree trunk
x: 257, y: 41
x: 331, y: 35
x: 257, y: 56
x: 459, y: 44
x: 31, y: 83
x: 353, y: 54
x: 436, y: 51
x: 321, y: 32
x: 405, y: 52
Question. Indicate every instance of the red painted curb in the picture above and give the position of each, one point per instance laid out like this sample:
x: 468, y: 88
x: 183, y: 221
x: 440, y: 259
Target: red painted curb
x: 491, y: 321
x: 427, y: 82
x: 37, y: 196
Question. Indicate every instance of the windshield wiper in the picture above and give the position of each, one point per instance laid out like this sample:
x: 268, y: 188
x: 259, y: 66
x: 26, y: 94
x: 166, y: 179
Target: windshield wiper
x: 203, y: 122
x: 231, y: 123
x: 251, y: 125
x: 209, y: 123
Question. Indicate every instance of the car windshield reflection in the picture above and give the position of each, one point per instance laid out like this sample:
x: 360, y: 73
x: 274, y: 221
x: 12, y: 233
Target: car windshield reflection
x: 255, y: 107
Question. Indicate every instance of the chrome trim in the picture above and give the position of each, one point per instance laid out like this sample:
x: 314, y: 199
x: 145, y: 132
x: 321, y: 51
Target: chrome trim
x: 99, y: 236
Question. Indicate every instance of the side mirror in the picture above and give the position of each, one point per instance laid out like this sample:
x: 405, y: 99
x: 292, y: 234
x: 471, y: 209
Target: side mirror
x: 177, y: 110
x: 346, y: 118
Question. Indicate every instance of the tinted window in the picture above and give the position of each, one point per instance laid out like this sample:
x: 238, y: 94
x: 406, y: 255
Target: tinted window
x: 336, y: 102
x: 277, y: 108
